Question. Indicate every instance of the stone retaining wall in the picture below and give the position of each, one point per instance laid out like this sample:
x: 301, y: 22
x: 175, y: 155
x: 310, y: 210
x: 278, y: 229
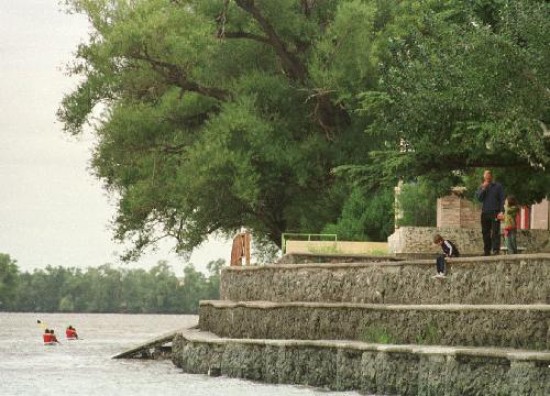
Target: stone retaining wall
x: 514, y: 279
x: 382, y: 302
x: 512, y: 326
x: 469, y: 241
x: 389, y: 370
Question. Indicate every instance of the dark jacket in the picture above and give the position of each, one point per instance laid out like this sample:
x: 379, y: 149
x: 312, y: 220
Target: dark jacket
x: 492, y: 197
x: 450, y: 249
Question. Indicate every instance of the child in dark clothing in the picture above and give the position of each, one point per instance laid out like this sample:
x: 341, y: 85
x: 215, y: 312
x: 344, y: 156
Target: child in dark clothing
x: 449, y: 250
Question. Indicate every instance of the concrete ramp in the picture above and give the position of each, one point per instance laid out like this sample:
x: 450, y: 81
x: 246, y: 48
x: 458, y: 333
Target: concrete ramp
x: 157, y: 348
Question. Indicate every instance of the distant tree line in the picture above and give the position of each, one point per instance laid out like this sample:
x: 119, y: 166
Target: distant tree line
x: 106, y: 289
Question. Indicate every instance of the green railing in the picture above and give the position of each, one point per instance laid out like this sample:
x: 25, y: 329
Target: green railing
x: 305, y: 237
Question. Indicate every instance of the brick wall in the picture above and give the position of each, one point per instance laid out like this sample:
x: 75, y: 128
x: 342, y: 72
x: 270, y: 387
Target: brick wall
x: 540, y: 215
x: 457, y: 212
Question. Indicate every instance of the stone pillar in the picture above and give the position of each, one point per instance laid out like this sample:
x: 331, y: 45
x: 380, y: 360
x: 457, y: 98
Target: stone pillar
x: 455, y: 211
x: 540, y: 216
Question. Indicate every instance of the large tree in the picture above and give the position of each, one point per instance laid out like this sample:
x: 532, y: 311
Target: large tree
x: 217, y: 114
x: 467, y: 87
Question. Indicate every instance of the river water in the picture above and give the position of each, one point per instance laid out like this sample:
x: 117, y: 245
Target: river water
x: 85, y: 367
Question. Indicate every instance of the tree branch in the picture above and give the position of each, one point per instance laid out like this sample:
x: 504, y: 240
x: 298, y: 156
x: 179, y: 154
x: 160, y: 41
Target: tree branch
x: 292, y: 65
x: 308, y: 6
x: 247, y: 35
x: 458, y: 161
x: 177, y: 76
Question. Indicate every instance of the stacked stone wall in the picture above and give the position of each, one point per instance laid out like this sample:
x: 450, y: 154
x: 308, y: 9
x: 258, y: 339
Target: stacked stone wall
x: 401, y: 331
x: 372, y: 369
x: 526, y: 327
x: 513, y: 279
x: 419, y: 240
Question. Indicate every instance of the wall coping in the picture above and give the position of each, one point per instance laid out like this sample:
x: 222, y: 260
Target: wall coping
x: 197, y: 336
x: 296, y: 257
x: 402, y: 263
x: 380, y: 307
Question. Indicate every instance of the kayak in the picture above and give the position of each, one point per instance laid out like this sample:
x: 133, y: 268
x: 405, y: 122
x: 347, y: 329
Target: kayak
x: 50, y: 343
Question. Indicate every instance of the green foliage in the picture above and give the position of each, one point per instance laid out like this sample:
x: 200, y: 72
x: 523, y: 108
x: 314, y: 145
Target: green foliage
x: 417, y: 204
x: 377, y: 335
x: 8, y: 282
x: 106, y: 289
x: 213, y: 283
x: 468, y: 88
x: 366, y: 216
x: 429, y: 335
x: 264, y: 251
x: 213, y: 115
x: 217, y: 115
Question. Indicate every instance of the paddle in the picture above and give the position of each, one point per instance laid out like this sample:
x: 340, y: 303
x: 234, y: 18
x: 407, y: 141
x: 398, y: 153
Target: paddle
x: 45, y: 326
x: 39, y: 322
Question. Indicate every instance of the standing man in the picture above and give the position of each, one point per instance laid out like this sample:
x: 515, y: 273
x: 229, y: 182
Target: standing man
x: 491, y: 194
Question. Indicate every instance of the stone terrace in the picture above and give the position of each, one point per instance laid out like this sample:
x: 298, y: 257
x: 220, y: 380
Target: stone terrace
x: 513, y: 279
x: 381, y: 327
x: 518, y: 326
x: 370, y: 368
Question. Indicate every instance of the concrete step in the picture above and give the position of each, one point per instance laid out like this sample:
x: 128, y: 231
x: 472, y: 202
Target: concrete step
x: 157, y: 348
x: 515, y: 326
x: 512, y: 279
x: 368, y: 368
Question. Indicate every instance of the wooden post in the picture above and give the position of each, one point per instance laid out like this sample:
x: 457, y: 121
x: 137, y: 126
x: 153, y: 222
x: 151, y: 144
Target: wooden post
x: 247, y: 239
x: 240, y: 249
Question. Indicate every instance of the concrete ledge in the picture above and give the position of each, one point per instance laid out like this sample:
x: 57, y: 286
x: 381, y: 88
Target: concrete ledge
x: 512, y: 279
x: 515, y: 326
x: 370, y: 368
x: 335, y: 247
x: 334, y: 258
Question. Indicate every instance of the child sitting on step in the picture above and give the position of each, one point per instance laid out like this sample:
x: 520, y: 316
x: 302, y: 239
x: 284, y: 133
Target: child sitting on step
x: 449, y: 250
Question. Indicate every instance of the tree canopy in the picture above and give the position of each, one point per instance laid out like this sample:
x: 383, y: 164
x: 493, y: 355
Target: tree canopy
x: 217, y: 114
x: 469, y: 88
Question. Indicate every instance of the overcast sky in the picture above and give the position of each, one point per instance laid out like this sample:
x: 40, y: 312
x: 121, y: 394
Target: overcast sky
x: 52, y: 212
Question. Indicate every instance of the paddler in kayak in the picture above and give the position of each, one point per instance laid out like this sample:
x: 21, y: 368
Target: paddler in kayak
x: 70, y: 333
x: 54, y: 338
x: 49, y: 337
